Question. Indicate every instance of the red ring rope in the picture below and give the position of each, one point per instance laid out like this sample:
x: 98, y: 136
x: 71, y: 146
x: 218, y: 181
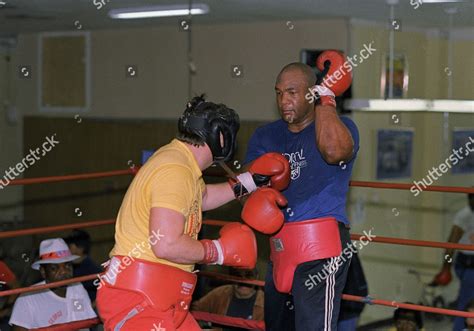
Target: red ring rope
x: 134, y: 170
x: 412, y: 242
x: 40, y: 287
x: 67, y: 178
x: 229, y: 321
x: 199, y: 315
x: 258, y: 283
x: 410, y: 306
x: 402, y: 186
x: 55, y: 228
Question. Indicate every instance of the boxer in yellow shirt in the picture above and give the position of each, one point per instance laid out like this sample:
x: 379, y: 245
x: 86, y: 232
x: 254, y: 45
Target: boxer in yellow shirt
x: 149, y: 280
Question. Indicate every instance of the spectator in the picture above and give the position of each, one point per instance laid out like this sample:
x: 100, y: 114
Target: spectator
x: 407, y: 320
x: 79, y: 243
x: 56, y: 305
x: 238, y: 300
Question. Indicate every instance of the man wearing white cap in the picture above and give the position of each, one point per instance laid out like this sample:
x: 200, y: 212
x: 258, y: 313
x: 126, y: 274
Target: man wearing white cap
x: 56, y: 305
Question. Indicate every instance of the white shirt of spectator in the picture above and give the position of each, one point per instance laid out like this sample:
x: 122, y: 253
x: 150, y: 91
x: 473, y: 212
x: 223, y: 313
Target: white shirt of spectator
x: 465, y: 220
x: 45, y: 308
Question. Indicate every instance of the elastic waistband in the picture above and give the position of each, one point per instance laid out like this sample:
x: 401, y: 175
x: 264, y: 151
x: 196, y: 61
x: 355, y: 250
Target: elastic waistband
x: 313, y: 220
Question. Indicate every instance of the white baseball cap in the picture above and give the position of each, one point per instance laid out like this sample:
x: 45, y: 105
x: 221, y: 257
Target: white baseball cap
x: 54, y: 251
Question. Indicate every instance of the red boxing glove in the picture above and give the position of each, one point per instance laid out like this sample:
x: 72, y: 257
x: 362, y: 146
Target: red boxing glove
x: 443, y: 278
x: 237, y: 247
x: 274, y: 165
x: 262, y: 210
x: 336, y: 81
x: 271, y: 168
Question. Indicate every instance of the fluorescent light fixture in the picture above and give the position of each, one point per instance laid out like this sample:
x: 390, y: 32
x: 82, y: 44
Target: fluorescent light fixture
x: 458, y: 106
x: 450, y: 106
x: 158, y: 11
x: 440, y: 1
x: 387, y: 105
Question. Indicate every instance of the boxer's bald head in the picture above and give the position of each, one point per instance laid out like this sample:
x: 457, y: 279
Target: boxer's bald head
x: 292, y: 90
x: 307, y: 73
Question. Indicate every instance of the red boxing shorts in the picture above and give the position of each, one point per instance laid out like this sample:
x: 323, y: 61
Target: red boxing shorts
x: 142, y: 295
x: 299, y: 242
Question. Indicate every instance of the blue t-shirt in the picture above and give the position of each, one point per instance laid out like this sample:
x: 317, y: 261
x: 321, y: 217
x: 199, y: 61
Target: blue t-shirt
x: 317, y: 189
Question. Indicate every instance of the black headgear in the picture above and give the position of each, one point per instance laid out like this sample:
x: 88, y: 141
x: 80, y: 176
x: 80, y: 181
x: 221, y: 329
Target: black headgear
x: 207, y: 120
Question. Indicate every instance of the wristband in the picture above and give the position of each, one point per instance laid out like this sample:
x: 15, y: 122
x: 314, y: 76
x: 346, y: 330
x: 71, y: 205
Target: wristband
x: 220, y: 253
x: 325, y: 95
x: 247, y: 183
x: 213, y: 253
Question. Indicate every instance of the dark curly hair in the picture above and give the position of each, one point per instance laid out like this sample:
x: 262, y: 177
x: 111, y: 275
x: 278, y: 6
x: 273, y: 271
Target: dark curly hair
x: 408, y: 314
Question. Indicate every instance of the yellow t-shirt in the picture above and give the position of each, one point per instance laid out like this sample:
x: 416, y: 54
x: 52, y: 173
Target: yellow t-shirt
x: 171, y: 178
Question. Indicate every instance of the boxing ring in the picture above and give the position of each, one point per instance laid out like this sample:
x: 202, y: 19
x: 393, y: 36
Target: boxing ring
x: 208, y: 317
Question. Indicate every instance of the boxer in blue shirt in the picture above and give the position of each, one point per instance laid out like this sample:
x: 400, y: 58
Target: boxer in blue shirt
x: 307, y: 272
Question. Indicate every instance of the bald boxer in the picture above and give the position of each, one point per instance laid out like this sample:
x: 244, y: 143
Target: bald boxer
x: 307, y: 272
x: 149, y: 280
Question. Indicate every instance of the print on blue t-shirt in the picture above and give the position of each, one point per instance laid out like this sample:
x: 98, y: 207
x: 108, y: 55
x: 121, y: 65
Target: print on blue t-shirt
x: 317, y: 189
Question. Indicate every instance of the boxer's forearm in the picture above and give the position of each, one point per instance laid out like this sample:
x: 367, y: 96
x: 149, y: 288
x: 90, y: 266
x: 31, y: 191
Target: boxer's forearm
x: 170, y: 242
x: 183, y: 250
x: 333, y: 138
x: 217, y: 195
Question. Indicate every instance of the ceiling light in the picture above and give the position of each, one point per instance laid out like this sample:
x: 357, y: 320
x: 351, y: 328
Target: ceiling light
x: 454, y: 106
x: 158, y: 11
x: 440, y: 1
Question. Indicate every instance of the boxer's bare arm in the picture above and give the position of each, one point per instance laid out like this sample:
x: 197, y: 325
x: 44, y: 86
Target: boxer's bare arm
x: 333, y: 138
x: 216, y: 195
x: 173, y: 245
